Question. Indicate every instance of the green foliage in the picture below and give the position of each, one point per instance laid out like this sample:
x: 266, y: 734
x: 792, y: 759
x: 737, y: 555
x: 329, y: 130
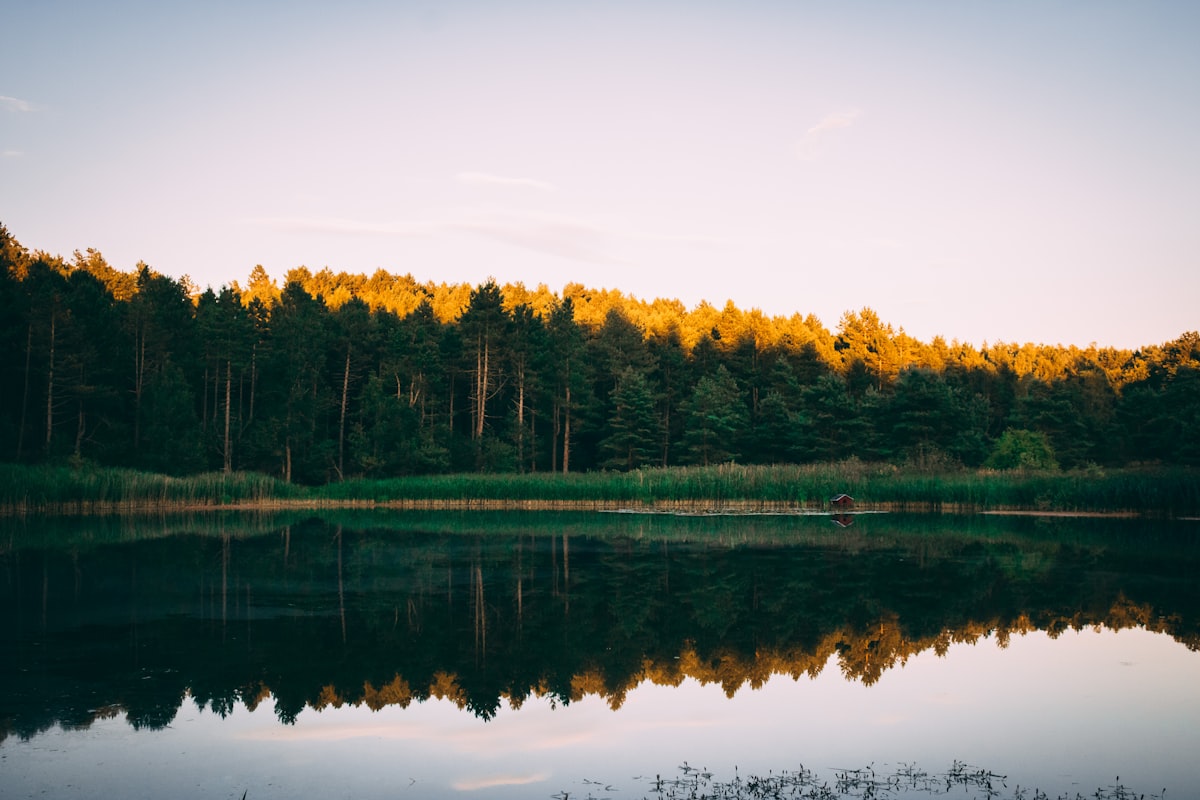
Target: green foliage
x: 340, y: 376
x: 633, y: 425
x: 715, y: 416
x: 1022, y: 449
x: 744, y: 487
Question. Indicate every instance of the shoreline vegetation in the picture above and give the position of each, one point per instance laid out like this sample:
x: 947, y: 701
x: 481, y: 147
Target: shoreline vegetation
x: 728, y: 488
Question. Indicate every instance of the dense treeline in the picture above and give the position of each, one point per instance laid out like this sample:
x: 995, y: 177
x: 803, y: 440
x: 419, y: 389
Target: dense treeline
x: 337, y: 375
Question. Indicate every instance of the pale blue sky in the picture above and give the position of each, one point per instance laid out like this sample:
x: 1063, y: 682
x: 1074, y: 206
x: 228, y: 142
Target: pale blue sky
x: 1016, y: 171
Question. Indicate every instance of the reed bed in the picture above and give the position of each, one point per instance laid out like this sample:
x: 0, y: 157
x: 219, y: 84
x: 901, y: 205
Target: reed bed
x: 82, y: 489
x: 1171, y: 491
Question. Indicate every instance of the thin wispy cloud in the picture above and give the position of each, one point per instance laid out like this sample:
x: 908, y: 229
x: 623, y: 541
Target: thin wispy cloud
x: 488, y: 179
x: 15, y: 104
x: 338, y: 225
x: 564, y: 237
x: 811, y: 144
x: 560, y: 236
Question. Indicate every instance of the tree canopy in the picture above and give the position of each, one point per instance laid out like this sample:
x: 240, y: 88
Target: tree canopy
x: 333, y: 375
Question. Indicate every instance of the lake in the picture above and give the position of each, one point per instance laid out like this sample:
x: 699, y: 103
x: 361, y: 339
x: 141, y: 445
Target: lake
x: 571, y: 655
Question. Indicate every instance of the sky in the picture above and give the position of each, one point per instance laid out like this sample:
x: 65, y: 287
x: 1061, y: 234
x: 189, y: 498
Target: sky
x: 981, y: 171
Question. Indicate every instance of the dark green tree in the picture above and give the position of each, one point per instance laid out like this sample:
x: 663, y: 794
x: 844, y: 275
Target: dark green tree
x: 830, y: 426
x: 303, y: 396
x: 632, y: 440
x: 484, y: 326
x: 716, y: 417
x: 160, y: 320
x: 564, y: 359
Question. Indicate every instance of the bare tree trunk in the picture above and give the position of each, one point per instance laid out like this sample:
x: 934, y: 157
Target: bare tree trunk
x: 25, y: 392
x: 342, y: 420
x: 253, y: 380
x: 50, y: 387
x: 521, y: 418
x: 204, y: 407
x: 567, y: 433
x: 555, y: 429
x: 216, y: 398
x: 139, y: 381
x: 80, y: 429
x: 228, y: 387
x: 482, y: 367
x: 533, y: 440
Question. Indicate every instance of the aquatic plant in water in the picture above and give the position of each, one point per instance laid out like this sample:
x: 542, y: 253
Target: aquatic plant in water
x: 866, y: 783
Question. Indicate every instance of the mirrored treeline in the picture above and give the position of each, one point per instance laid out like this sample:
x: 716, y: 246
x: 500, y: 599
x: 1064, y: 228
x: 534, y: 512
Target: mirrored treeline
x: 112, y: 615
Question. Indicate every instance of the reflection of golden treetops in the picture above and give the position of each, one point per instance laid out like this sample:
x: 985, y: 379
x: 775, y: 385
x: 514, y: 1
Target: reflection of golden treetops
x: 861, y: 655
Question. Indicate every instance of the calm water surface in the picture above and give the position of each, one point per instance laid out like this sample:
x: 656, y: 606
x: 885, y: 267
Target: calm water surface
x: 527, y: 655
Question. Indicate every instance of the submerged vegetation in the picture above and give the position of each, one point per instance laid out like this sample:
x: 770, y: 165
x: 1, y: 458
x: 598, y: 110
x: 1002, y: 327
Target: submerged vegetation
x: 728, y: 487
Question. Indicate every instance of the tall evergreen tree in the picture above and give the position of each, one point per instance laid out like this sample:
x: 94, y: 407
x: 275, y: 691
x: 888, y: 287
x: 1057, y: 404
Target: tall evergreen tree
x: 484, y: 325
x: 565, y: 355
x: 716, y: 416
x: 632, y: 439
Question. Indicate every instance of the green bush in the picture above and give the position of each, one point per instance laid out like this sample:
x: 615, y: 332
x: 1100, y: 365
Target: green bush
x: 1022, y: 449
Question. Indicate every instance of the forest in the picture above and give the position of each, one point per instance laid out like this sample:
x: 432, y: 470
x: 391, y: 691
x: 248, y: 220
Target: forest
x: 336, y: 375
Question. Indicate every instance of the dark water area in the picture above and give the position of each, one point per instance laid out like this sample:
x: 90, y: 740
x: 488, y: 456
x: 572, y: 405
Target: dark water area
x: 118, y: 626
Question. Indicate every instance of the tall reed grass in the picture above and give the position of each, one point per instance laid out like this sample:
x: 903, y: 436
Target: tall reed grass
x: 1168, y: 491
x: 68, y: 488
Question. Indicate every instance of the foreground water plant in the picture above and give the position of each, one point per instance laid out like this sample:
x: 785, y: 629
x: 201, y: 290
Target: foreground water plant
x: 905, y: 781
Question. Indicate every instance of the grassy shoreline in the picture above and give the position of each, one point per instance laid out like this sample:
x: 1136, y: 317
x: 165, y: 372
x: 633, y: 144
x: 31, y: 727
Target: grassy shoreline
x: 1165, y: 491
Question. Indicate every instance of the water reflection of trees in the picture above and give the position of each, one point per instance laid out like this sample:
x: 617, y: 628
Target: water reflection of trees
x: 318, y: 615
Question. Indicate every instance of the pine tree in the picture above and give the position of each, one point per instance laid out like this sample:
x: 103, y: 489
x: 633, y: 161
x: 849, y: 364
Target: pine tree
x: 633, y: 436
x: 716, y: 419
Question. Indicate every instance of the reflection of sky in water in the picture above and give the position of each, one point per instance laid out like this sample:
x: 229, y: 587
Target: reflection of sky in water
x: 1067, y: 714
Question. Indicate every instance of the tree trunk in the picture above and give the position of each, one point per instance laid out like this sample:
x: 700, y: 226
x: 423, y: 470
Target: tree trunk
x: 50, y: 388
x: 204, y: 406
x: 533, y: 440
x: 228, y: 387
x: 482, y: 366
x: 567, y: 432
x: 80, y: 429
x: 556, y: 427
x: 521, y: 418
x: 342, y: 420
x: 253, y: 381
x: 25, y: 392
x: 139, y: 381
